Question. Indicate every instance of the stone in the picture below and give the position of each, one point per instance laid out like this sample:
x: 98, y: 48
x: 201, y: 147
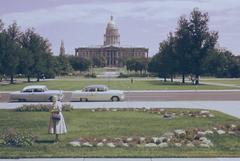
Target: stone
x: 150, y: 145
x: 142, y: 139
x: 114, y: 110
x: 100, y: 144
x: 201, y: 133
x: 178, y: 144
x: 204, y: 112
x: 180, y: 133
x: 204, y: 140
x: 129, y: 139
x: 87, y: 144
x: 231, y: 132
x: 190, y: 145
x: 111, y: 145
x: 162, y: 139
x: 155, y: 139
x: 75, y: 143
x: 167, y: 115
x: 93, y: 110
x: 233, y: 126
x: 163, y: 145
x: 209, y: 132
x: 125, y: 145
x: 221, y: 132
x: 104, y: 140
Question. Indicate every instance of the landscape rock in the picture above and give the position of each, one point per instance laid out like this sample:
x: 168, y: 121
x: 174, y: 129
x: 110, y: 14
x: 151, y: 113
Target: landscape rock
x: 75, y: 143
x: 231, y: 132
x: 87, y: 144
x: 221, y: 132
x: 125, y: 145
x: 129, y: 139
x: 204, y: 112
x: 180, y: 133
x: 178, y: 144
x: 150, y: 145
x: 209, y: 132
x: 190, y: 145
x: 163, y: 145
x: 111, y: 145
x: 100, y: 144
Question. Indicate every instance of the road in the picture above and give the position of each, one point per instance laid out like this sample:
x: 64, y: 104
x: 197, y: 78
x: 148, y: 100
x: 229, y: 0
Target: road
x: 167, y: 95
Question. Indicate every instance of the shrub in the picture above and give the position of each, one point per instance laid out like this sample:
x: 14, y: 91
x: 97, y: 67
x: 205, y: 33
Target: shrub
x: 41, y: 108
x: 11, y: 136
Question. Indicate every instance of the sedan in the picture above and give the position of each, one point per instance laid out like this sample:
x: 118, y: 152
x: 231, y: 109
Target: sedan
x: 97, y: 93
x: 35, y: 93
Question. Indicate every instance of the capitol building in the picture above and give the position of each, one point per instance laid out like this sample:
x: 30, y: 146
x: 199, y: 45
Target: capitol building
x: 111, y: 50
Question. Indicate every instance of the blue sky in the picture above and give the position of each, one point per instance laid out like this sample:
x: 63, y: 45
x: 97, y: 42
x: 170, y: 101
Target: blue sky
x: 140, y: 22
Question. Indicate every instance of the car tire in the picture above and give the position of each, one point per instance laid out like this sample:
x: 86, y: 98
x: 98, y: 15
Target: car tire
x: 115, y: 99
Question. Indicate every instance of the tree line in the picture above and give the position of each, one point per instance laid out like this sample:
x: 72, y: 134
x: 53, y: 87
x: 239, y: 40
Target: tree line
x: 191, y: 50
x: 28, y: 54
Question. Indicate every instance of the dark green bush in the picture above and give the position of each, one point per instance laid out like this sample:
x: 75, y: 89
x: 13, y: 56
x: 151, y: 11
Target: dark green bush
x: 41, y: 108
x: 11, y: 136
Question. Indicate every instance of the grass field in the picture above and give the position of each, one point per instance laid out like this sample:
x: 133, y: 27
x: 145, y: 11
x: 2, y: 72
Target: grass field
x: 84, y: 123
x: 225, y: 81
x: 123, y: 84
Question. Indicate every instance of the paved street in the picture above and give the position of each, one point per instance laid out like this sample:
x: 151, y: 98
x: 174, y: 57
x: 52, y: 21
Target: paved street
x: 166, y: 95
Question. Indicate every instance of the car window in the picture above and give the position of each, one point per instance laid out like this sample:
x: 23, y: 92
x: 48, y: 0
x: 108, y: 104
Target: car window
x: 27, y: 90
x: 91, y: 89
x: 101, y: 89
x: 38, y: 90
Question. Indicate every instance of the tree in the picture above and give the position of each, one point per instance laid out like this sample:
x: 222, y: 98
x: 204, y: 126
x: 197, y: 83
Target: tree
x: 202, y: 40
x: 26, y: 60
x: 165, y: 63
x: 99, y: 61
x: 10, y: 50
x: 1, y: 48
x: 79, y: 63
x: 182, y: 47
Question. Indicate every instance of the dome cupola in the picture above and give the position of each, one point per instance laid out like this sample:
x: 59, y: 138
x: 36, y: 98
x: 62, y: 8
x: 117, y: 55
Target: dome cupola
x: 112, y: 36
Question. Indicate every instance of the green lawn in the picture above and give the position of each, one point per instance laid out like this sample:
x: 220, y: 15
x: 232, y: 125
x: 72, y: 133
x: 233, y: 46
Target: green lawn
x: 226, y: 81
x: 123, y: 84
x: 84, y: 123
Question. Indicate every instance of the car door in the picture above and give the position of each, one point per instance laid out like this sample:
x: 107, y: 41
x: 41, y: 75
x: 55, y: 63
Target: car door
x: 39, y: 95
x: 26, y: 95
x: 92, y: 94
x: 101, y: 94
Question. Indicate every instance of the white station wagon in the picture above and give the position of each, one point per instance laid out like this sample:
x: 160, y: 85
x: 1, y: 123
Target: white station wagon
x: 97, y: 93
x: 35, y: 93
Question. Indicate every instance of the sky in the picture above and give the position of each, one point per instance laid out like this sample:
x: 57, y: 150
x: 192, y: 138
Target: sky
x: 141, y: 22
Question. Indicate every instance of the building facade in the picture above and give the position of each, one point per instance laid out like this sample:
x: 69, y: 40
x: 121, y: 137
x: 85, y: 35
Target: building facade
x: 111, y: 50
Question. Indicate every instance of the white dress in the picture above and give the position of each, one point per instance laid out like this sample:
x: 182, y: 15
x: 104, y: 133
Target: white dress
x: 57, y: 126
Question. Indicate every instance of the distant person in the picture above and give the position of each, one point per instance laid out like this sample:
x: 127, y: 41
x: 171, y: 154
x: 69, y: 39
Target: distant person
x: 56, y: 123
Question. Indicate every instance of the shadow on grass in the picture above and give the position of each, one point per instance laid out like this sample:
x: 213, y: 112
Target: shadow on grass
x: 44, y: 141
x: 162, y: 83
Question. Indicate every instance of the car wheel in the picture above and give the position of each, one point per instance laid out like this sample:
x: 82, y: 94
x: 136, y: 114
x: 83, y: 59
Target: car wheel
x: 115, y: 99
x: 50, y: 99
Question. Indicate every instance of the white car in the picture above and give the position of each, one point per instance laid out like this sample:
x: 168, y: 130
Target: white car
x: 35, y: 93
x: 97, y: 93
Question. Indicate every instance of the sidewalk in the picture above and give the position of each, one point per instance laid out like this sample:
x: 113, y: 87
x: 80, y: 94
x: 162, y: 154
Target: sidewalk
x: 228, y: 107
x: 126, y: 159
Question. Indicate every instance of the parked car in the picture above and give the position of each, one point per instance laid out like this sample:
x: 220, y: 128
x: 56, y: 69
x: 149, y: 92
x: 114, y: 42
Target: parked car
x: 35, y: 93
x: 97, y: 93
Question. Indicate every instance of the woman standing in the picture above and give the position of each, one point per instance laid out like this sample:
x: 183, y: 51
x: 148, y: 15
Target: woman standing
x: 56, y: 124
